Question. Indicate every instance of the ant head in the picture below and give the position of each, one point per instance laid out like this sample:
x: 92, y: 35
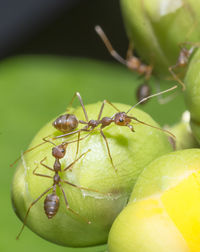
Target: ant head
x: 59, y: 151
x: 122, y: 119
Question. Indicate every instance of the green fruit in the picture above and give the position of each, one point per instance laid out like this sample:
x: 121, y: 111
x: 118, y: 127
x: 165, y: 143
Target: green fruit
x: 184, y: 136
x: 130, y: 151
x: 163, y: 211
x: 157, y: 28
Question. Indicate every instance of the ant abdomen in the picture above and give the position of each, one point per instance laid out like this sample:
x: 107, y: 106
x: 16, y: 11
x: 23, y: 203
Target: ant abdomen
x: 51, y: 205
x: 143, y: 91
x: 66, y: 123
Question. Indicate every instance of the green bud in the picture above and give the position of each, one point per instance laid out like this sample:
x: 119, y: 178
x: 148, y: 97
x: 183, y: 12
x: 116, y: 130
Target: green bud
x: 157, y: 27
x: 163, y: 211
x: 184, y: 136
x: 130, y: 151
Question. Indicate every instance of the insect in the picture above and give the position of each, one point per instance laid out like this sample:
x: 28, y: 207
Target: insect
x: 64, y: 123
x: 120, y: 118
x: 52, y: 200
x: 131, y: 62
x: 183, y: 59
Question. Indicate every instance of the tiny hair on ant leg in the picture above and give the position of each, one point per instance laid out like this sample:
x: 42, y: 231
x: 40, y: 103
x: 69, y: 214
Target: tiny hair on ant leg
x: 183, y: 59
x: 119, y: 118
x: 52, y: 200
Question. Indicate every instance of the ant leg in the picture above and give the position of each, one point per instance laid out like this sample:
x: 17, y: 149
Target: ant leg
x: 171, y: 70
x: 41, y: 175
x: 32, y: 204
x: 71, y: 133
x: 83, y: 188
x: 166, y: 131
x: 102, y: 107
x: 41, y: 162
x: 101, y: 110
x: 111, y: 104
x: 105, y: 139
x: 68, y: 208
x: 76, y: 160
x: 77, y: 148
x: 108, y: 45
x: 192, y: 44
x: 77, y: 94
x: 129, y: 53
x: 45, y: 141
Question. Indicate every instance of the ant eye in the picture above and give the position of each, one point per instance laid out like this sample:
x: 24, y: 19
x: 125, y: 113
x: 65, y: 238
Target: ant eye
x: 121, y: 120
x: 62, y: 151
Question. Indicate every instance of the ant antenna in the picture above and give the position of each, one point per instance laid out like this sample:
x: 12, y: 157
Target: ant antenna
x: 150, y: 96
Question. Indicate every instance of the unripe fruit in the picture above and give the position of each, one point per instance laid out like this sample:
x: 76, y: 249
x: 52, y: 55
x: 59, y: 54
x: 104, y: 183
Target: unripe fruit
x: 130, y: 151
x: 184, y: 135
x: 157, y: 27
x: 163, y: 211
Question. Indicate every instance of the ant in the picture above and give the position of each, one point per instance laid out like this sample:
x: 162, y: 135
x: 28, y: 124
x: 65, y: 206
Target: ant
x: 183, y: 59
x: 68, y: 122
x: 119, y: 118
x: 52, y: 201
x: 131, y: 62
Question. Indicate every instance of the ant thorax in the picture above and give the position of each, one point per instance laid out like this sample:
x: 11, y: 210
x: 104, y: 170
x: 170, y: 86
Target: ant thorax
x: 93, y: 123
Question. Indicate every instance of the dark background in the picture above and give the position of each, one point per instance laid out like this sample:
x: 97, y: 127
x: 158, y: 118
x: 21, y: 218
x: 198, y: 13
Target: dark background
x: 61, y: 27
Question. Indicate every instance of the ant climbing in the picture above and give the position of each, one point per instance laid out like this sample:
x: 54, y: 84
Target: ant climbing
x: 131, y: 62
x: 52, y: 201
x: 183, y: 59
x: 119, y: 118
x: 68, y: 122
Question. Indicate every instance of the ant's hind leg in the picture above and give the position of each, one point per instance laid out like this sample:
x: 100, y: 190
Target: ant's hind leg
x: 32, y: 204
x: 68, y: 208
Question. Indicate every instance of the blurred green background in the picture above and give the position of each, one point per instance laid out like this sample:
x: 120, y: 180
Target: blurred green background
x: 35, y: 89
